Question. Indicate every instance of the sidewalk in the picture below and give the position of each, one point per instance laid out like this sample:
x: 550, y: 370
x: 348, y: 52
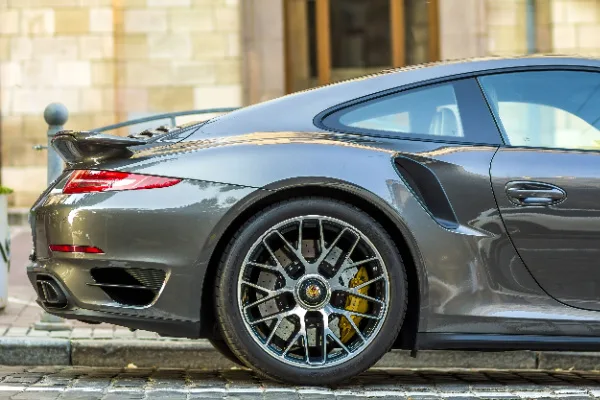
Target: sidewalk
x: 106, y: 345
x: 22, y: 311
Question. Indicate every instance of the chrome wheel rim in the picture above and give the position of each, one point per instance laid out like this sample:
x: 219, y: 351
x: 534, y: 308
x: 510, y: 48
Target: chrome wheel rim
x: 313, y: 291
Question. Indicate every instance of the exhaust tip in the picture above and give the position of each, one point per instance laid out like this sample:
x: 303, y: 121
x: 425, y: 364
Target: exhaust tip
x: 50, y: 292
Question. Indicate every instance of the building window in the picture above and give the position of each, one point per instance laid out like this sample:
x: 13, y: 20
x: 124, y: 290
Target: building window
x: 332, y: 40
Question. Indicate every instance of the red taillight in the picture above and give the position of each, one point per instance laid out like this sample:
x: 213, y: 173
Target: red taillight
x: 89, y: 181
x: 67, y: 248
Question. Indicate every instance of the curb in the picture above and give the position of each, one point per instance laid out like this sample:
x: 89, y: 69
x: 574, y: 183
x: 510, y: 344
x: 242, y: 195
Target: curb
x: 34, y: 351
x: 199, y: 354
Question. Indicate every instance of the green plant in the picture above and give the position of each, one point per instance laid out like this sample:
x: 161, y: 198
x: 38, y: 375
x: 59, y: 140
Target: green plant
x: 5, y: 190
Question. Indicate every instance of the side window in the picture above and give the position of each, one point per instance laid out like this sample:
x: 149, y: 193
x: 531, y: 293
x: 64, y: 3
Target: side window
x: 551, y: 109
x: 425, y: 112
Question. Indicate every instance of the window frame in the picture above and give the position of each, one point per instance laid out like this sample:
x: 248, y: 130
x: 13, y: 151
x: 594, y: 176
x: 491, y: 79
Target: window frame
x: 498, y: 121
x: 323, y: 38
x: 479, y: 125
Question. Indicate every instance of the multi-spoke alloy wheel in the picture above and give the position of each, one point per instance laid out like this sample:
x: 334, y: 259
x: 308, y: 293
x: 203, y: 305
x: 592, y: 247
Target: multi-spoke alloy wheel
x: 311, y: 291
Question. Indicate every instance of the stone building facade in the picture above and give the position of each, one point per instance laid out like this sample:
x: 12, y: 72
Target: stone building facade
x: 107, y: 61
x: 112, y: 60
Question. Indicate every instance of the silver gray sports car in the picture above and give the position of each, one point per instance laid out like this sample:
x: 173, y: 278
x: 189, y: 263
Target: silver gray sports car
x: 453, y: 205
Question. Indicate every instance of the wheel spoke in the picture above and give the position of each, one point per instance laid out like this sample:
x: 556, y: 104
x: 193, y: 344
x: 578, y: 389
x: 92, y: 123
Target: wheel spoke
x: 267, y: 267
x: 275, y: 327
x: 357, y: 263
x: 356, y: 293
x: 278, y: 267
x: 326, y: 251
x: 263, y: 300
x: 272, y: 254
x: 367, y: 283
x: 300, y: 236
x: 321, y: 236
x: 294, y: 251
x: 338, y: 341
x: 325, y: 323
x: 257, y: 287
x: 289, y: 346
x: 280, y: 314
x: 341, y: 261
x: 368, y: 316
x: 355, y: 327
x: 347, y: 314
x: 300, y: 313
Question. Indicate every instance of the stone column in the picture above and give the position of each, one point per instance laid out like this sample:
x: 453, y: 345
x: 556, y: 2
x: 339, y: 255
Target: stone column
x: 463, y: 32
x: 263, y: 50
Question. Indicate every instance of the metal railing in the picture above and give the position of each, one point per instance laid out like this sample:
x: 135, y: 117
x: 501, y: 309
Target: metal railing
x: 170, y: 116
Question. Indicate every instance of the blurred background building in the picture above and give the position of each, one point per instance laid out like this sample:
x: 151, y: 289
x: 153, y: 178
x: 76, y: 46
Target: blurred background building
x: 112, y: 60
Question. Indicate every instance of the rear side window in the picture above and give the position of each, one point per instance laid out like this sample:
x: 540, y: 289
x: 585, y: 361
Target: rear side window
x: 547, y: 109
x: 441, y: 112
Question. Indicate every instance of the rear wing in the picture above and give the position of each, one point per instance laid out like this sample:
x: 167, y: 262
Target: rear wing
x: 80, y: 146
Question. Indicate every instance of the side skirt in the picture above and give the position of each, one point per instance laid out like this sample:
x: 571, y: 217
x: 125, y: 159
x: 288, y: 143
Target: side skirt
x: 489, y: 342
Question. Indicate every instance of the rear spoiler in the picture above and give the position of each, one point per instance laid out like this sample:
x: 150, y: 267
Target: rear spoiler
x: 80, y: 146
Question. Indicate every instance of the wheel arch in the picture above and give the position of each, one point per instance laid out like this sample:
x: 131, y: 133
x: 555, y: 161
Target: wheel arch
x: 368, y: 202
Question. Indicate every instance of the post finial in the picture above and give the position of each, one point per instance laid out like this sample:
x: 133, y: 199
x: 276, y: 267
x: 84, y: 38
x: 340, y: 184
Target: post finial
x: 56, y: 114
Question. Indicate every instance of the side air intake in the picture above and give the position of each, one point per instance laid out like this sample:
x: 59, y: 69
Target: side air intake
x: 428, y: 189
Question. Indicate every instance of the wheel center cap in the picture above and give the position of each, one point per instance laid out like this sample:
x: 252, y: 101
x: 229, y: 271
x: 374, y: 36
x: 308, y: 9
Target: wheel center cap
x: 312, y: 292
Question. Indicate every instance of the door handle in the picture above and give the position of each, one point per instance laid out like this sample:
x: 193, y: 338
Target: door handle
x: 527, y: 193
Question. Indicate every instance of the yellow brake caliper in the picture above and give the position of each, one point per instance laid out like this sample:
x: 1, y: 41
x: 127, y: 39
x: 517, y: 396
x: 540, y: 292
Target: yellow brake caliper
x: 356, y: 304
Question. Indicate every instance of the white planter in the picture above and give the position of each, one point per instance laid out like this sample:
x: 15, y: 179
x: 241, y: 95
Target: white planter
x: 4, y: 251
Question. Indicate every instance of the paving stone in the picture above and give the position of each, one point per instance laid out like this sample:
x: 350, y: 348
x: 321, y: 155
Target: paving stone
x: 36, y: 333
x: 123, y: 334
x: 81, y: 333
x: 79, y: 395
x: 60, y: 334
x: 243, y: 396
x: 16, y: 332
x: 145, y: 335
x: 166, y: 395
x: 123, y: 396
x: 22, y: 379
x: 208, y: 396
x: 34, y: 396
x: 99, y: 333
x: 45, y: 369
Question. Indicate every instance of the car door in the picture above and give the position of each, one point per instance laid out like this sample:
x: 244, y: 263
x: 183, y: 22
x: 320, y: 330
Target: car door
x: 546, y: 179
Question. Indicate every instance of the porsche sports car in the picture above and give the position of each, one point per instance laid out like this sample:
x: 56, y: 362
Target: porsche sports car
x: 447, y: 206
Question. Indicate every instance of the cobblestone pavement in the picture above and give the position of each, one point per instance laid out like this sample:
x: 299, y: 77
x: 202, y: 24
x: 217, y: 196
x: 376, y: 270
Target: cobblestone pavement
x: 19, y: 383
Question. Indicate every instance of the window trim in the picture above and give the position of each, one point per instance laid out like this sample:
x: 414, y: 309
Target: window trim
x: 468, y: 96
x: 318, y: 120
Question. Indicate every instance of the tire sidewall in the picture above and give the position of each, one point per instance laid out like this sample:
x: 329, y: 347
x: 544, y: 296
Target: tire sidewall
x: 241, y: 340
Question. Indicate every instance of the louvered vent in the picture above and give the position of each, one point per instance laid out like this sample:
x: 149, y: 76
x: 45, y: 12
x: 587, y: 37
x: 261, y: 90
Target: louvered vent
x: 136, y: 287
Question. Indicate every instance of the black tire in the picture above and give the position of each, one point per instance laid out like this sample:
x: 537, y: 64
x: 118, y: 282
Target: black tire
x: 225, y: 351
x: 231, y: 322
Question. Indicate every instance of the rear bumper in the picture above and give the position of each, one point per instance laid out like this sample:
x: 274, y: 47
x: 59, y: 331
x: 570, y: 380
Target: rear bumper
x: 156, y: 247
x: 91, y: 304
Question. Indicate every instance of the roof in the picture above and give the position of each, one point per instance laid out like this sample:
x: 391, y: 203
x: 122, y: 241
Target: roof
x: 295, y: 111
